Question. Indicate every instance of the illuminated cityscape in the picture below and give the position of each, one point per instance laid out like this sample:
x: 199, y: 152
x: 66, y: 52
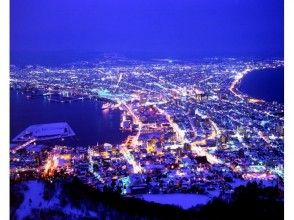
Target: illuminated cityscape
x: 190, y: 129
x: 146, y: 110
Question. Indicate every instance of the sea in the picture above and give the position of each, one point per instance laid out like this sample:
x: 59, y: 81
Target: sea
x: 88, y: 120
x: 93, y: 125
x: 266, y: 84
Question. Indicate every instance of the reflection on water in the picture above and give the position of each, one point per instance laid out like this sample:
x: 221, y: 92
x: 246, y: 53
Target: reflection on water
x: 90, y: 123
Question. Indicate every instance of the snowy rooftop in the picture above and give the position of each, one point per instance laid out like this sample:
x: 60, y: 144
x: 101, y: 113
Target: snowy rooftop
x: 45, y: 132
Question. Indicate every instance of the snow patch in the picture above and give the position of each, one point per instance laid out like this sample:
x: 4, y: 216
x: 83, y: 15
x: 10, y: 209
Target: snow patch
x: 182, y: 200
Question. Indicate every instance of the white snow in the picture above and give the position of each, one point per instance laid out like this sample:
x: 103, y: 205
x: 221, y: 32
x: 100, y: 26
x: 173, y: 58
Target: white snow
x: 182, y: 200
x: 35, y: 193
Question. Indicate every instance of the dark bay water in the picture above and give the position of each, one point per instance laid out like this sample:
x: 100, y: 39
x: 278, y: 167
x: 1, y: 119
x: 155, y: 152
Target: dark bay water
x: 267, y: 84
x: 90, y: 123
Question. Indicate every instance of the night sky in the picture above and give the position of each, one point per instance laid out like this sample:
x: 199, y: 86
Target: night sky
x: 159, y: 28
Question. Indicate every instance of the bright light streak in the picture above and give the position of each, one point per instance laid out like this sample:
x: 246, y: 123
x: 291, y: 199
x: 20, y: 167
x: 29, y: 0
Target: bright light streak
x: 50, y: 166
x: 91, y: 153
x: 258, y: 176
x: 131, y: 160
x: 237, y: 79
x: 24, y: 144
x: 179, y: 132
x: 202, y: 152
x: 264, y: 137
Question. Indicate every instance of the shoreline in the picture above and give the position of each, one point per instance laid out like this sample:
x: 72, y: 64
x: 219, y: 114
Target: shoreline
x: 37, y: 93
x: 98, y: 100
x: 234, y: 87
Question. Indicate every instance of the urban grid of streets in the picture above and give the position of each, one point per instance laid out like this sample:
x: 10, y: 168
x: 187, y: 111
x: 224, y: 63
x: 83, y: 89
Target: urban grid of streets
x: 190, y: 129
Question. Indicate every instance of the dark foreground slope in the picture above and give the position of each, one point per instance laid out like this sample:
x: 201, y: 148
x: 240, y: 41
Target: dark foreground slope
x: 74, y: 200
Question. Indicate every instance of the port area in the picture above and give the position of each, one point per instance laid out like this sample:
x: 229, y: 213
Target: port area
x: 40, y: 132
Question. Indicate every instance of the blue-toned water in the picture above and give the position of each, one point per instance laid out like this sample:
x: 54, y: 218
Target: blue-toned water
x: 267, y: 84
x: 90, y: 123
